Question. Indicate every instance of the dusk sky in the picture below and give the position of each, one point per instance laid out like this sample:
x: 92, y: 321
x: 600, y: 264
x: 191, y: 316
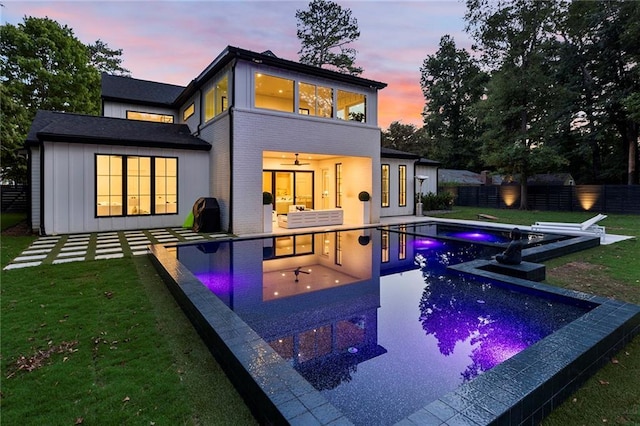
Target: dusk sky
x: 173, y: 41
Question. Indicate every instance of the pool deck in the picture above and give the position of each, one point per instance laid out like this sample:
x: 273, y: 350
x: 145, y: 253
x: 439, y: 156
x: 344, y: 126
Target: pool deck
x: 521, y: 390
x: 54, y: 249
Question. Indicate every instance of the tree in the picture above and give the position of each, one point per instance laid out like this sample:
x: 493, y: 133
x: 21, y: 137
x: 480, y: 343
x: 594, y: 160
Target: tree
x: 44, y: 66
x: 601, y: 50
x: 452, y: 82
x: 324, y: 29
x: 516, y: 37
x: 404, y: 137
x: 107, y: 60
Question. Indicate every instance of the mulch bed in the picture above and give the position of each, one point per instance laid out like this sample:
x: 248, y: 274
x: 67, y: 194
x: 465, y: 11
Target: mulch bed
x: 18, y: 230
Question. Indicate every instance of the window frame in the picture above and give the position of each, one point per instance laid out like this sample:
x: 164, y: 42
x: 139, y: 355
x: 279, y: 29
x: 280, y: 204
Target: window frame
x: 124, y: 189
x: 338, y: 176
x: 163, y: 117
x: 385, y: 185
x: 189, y: 111
x: 402, y: 185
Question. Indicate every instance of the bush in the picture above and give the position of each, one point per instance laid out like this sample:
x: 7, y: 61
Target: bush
x: 442, y: 201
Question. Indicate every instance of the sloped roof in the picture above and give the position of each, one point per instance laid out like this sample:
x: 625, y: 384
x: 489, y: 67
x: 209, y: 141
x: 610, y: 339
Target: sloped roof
x: 395, y: 153
x: 465, y: 177
x: 92, y: 129
x: 139, y: 91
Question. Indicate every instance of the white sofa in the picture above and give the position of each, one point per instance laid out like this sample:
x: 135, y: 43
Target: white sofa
x: 311, y: 218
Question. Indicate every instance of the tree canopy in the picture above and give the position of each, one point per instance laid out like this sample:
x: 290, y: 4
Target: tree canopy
x: 325, y: 30
x: 551, y: 86
x: 452, y: 83
x: 44, y: 66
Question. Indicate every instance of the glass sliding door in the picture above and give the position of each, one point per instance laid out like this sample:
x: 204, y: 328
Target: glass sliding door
x: 289, y: 188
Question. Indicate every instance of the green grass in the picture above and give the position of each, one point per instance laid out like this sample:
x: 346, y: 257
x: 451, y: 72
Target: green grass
x: 138, y: 360
x: 134, y: 358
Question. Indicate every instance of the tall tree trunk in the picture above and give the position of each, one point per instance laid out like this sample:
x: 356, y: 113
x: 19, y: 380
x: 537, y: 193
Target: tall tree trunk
x: 524, y: 190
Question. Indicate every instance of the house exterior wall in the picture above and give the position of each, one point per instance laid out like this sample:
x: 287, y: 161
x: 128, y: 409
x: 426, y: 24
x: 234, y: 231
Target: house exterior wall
x: 36, y: 187
x: 217, y: 132
x: 70, y: 191
x: 394, y: 208
x: 356, y: 145
x: 236, y: 167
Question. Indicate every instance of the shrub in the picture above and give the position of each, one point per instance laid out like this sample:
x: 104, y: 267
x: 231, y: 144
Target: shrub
x: 442, y: 201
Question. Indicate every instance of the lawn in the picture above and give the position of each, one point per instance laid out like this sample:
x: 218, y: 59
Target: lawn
x: 107, y: 344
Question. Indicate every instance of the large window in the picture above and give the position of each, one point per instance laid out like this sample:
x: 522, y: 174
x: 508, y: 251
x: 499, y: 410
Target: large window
x: 274, y: 93
x: 216, y: 99
x: 148, y: 116
x: 138, y: 185
x: 338, y: 185
x: 149, y: 186
x: 352, y: 106
x: 385, y: 185
x: 315, y: 100
x: 166, y: 188
x: 109, y: 185
x: 402, y: 185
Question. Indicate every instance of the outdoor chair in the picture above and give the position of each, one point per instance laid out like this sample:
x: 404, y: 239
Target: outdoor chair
x: 585, y: 228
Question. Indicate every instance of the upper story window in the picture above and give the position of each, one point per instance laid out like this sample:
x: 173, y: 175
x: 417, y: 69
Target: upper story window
x: 274, y: 93
x: 352, y: 106
x: 315, y: 100
x: 188, y: 112
x: 148, y: 116
x: 216, y: 100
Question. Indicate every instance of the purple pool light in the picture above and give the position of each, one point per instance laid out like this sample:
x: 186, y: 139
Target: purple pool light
x: 478, y: 236
x: 426, y: 243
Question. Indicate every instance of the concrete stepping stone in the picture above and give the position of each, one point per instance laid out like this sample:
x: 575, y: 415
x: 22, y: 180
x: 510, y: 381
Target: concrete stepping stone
x: 30, y: 258
x: 109, y: 250
x: 109, y: 256
x: 72, y: 253
x: 68, y: 260
x: 21, y: 265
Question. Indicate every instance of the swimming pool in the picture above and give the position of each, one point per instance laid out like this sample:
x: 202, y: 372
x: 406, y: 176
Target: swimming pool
x: 329, y: 323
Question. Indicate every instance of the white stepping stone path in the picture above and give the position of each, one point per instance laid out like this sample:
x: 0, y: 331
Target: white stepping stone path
x: 108, y: 245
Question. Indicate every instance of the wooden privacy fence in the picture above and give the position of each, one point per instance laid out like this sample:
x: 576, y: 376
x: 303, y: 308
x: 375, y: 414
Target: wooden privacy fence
x: 596, y: 198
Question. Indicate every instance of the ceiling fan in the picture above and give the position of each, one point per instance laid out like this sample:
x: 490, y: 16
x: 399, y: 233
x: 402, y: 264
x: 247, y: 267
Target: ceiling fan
x: 296, y: 162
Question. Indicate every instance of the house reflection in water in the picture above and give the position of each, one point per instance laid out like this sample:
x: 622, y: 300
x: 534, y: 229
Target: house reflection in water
x: 316, y: 307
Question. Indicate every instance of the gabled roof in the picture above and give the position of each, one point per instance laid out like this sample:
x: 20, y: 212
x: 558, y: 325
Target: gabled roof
x: 118, y: 88
x: 395, y: 153
x: 92, y: 129
x: 464, y: 177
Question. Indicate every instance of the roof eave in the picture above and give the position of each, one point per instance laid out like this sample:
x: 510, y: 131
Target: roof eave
x: 92, y: 140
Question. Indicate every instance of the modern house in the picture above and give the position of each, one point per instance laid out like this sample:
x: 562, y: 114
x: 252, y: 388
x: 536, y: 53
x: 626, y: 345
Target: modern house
x: 250, y: 122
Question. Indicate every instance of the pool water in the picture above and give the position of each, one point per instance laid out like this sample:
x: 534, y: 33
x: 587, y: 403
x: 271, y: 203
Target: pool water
x: 376, y: 322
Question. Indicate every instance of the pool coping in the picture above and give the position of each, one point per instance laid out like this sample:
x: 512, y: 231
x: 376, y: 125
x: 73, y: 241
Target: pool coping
x: 523, y: 389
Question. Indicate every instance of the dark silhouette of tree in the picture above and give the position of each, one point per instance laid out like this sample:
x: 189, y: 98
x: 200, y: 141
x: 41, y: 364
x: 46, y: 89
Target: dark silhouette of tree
x: 325, y: 30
